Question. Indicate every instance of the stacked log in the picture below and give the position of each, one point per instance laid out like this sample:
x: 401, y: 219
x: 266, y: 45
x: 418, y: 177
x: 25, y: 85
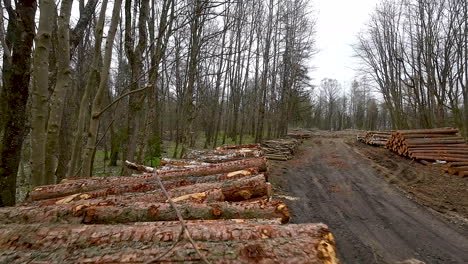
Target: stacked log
x: 429, y: 145
x: 458, y: 168
x: 375, y: 138
x: 280, y: 149
x: 227, y: 206
x: 225, y: 153
x: 300, y: 134
x: 220, y: 242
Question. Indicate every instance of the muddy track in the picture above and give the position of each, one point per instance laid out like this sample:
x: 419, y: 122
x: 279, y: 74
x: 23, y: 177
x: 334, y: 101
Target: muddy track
x: 373, y: 221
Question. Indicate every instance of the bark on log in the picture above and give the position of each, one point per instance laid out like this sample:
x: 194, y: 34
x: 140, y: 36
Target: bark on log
x: 91, y: 184
x: 223, y: 155
x: 43, y: 236
x: 142, y: 212
x: 445, y: 158
x: 457, y: 164
x: 451, y: 146
x: 440, y: 151
x: 246, y: 146
x: 182, y: 162
x: 306, y: 243
x: 432, y: 142
x: 429, y: 135
x: 457, y: 170
x: 130, y: 191
x: 139, y: 167
x: 447, y: 130
x: 229, y: 190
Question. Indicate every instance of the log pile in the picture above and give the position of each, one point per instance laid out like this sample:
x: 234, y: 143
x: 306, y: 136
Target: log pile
x: 300, y: 134
x: 223, y: 154
x: 430, y: 145
x: 227, y: 207
x: 375, y: 138
x: 280, y: 149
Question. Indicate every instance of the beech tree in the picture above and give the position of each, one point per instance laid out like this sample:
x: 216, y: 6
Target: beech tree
x: 17, y: 48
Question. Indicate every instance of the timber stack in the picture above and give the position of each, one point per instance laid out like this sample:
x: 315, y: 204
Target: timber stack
x: 225, y: 153
x: 226, y: 206
x: 430, y: 145
x: 280, y: 149
x: 375, y: 138
x: 300, y: 134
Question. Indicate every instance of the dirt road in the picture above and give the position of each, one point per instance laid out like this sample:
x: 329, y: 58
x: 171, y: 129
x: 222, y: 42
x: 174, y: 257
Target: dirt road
x: 330, y: 181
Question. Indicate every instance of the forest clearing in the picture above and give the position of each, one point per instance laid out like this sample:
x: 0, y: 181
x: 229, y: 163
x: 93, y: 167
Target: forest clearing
x: 234, y: 131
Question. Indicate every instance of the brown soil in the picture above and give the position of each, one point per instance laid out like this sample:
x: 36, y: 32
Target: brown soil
x: 382, y: 208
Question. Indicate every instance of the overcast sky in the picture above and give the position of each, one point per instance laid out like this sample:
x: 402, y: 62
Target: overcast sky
x: 338, y: 23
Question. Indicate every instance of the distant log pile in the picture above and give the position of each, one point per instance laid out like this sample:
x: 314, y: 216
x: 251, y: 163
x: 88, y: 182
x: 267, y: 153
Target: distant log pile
x: 223, y: 154
x: 429, y: 145
x: 300, y: 134
x: 285, y: 148
x: 223, y: 195
x: 280, y: 149
x: 375, y: 138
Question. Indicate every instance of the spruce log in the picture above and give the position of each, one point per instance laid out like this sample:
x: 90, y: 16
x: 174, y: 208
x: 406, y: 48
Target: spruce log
x: 95, y: 183
x: 217, y: 156
x: 247, y: 146
x: 445, y: 158
x: 457, y: 170
x: 416, y: 143
x: 435, y: 154
x: 441, y: 151
x: 429, y: 146
x: 457, y: 164
x: 142, y: 212
x: 430, y: 135
x: 229, y: 157
x: 230, y: 190
x: 182, y: 162
x: 286, y: 250
x: 44, y: 236
x: 150, y: 191
x: 447, y: 130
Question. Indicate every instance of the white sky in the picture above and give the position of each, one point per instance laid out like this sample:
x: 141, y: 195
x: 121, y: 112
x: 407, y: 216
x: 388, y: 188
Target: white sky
x: 338, y: 23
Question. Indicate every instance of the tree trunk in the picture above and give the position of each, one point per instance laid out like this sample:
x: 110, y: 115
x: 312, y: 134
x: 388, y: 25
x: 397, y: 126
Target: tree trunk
x: 58, y: 97
x: 93, y: 79
x: 40, y: 92
x: 135, y: 60
x: 14, y: 94
x: 88, y: 157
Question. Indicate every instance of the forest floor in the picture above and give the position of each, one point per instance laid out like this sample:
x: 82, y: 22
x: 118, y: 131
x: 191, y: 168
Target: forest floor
x: 381, y: 208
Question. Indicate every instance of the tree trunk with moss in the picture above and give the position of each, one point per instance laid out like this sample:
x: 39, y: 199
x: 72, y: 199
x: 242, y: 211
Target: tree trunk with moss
x: 16, y: 76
